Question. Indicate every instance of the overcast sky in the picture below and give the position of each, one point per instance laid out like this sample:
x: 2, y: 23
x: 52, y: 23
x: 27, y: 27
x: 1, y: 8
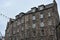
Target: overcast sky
x: 11, y: 8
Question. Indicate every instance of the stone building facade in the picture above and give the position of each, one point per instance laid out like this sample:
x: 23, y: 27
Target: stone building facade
x: 36, y: 24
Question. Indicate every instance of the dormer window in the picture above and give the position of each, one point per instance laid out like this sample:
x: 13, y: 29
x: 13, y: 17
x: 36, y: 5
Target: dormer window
x: 21, y: 14
x: 41, y: 7
x: 33, y: 9
x: 17, y: 16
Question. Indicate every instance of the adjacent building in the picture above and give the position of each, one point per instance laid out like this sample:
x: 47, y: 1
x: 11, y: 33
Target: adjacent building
x: 39, y: 23
x: 58, y: 31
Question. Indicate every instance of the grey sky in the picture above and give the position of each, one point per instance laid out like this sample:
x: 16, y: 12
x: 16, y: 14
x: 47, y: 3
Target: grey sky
x: 11, y: 8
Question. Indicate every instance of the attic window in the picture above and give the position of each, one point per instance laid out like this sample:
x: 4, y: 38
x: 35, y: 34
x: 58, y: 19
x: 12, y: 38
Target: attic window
x: 21, y: 14
x: 41, y: 7
x: 33, y: 9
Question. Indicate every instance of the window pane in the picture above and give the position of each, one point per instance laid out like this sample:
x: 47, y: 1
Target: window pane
x: 14, y: 25
x: 33, y: 26
x: 41, y: 24
x: 49, y: 14
x: 49, y: 22
x: 17, y: 30
x: 33, y: 17
x: 22, y: 21
x: 34, y: 21
x: 41, y: 39
x: 41, y: 19
x: 33, y: 10
x: 41, y: 8
x: 9, y: 34
x: 27, y: 18
x: 42, y: 32
x: 14, y: 32
x: 52, y: 32
x: 18, y: 23
x: 17, y: 38
x: 22, y: 28
x: 51, y: 38
x: 41, y: 15
x: 26, y: 26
